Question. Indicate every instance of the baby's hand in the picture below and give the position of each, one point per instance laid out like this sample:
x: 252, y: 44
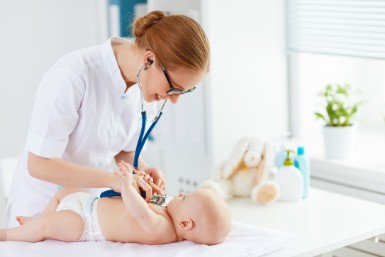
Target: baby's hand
x: 139, y: 180
x: 126, y: 174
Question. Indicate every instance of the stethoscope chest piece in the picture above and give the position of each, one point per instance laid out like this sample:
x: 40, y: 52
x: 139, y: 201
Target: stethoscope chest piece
x: 159, y: 200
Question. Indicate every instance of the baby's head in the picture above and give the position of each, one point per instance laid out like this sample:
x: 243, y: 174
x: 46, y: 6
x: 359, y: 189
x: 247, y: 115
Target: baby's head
x: 201, y: 216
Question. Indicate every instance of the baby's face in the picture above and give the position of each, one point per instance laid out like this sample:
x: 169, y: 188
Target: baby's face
x: 185, y: 203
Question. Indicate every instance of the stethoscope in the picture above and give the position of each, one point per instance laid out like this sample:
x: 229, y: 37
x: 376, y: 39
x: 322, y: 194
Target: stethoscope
x: 143, y: 136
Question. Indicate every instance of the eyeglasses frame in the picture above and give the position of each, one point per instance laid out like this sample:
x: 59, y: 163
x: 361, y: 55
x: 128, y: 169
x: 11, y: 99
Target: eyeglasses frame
x: 173, y: 90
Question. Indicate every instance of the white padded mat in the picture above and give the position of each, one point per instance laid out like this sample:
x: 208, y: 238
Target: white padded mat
x: 244, y: 240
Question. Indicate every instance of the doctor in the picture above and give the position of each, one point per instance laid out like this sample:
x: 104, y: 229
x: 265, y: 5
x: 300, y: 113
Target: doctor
x: 87, y: 111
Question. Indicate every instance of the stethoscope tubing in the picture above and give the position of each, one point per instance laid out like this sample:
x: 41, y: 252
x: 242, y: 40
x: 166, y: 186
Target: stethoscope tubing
x: 139, y: 146
x: 142, y: 139
x: 143, y: 136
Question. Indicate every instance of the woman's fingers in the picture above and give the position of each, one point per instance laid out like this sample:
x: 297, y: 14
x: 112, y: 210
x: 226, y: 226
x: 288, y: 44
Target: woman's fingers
x: 162, y: 185
x: 145, y: 187
x: 145, y: 181
x: 147, y: 178
x: 157, y: 175
x: 156, y: 189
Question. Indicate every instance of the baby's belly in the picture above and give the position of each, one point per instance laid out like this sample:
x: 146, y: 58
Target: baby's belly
x: 117, y: 224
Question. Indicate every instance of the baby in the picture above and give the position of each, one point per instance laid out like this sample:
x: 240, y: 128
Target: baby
x: 72, y: 215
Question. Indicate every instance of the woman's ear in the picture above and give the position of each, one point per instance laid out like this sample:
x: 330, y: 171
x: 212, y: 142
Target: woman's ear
x: 186, y: 224
x: 149, y: 58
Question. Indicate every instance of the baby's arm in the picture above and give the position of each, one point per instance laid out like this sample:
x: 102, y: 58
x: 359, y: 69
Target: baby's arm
x: 135, y: 204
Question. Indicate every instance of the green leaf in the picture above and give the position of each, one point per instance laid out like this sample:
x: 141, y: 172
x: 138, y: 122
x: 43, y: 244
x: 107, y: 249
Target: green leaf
x: 320, y: 116
x: 339, y: 111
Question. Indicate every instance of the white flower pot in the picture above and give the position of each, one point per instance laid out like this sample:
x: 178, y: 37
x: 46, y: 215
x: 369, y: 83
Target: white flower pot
x: 339, y: 141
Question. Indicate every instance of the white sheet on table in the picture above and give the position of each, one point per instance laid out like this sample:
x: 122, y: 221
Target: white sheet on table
x: 244, y: 240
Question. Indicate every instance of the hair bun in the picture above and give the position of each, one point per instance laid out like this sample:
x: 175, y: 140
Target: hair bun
x: 142, y: 24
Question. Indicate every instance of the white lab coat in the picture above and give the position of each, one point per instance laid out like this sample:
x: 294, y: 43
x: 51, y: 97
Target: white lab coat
x: 81, y: 114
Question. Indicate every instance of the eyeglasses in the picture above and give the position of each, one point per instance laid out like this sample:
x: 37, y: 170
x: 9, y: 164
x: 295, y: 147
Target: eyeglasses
x: 173, y: 90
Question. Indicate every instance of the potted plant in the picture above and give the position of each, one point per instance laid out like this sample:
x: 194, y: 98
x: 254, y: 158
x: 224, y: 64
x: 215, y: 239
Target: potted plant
x: 341, y: 103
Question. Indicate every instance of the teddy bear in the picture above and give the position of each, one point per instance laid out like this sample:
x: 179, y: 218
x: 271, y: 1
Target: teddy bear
x: 247, y: 172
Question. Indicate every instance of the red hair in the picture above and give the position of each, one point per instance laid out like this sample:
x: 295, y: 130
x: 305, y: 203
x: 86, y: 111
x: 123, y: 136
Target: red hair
x: 176, y: 40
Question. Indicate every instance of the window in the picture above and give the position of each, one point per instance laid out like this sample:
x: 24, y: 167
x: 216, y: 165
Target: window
x: 337, y: 41
x: 314, y: 71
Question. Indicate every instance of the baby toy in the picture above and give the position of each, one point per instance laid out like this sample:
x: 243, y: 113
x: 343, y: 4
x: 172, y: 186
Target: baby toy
x: 247, y: 172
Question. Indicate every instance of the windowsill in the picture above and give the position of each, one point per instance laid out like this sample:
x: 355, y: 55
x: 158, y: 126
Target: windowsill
x: 348, y: 174
x: 364, y: 170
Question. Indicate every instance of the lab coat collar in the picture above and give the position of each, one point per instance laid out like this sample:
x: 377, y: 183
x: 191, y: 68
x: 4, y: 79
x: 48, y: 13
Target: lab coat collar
x: 112, y: 64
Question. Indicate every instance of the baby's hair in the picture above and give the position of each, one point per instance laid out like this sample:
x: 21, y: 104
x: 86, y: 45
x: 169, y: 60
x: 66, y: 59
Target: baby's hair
x: 215, y: 187
x: 214, y: 220
x: 176, y: 40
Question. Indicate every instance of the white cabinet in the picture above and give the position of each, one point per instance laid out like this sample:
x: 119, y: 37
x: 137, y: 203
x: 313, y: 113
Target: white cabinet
x: 244, y: 93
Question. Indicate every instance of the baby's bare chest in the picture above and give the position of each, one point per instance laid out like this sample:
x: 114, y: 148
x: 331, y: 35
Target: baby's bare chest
x: 118, y: 225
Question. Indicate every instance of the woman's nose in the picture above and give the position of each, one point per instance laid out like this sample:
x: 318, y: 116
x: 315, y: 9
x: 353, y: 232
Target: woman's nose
x: 174, y: 98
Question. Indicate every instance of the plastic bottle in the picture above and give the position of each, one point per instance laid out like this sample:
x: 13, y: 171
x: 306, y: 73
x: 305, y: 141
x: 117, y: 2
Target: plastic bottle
x: 301, y: 161
x: 281, y: 155
x: 290, y: 180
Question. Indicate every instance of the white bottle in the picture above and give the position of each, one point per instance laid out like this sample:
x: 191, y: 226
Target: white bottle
x: 290, y: 180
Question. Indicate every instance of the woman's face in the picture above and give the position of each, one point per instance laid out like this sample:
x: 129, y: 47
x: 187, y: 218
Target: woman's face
x: 155, y: 84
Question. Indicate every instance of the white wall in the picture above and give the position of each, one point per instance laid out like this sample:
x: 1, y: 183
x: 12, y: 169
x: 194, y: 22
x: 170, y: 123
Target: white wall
x: 33, y: 35
x: 244, y: 93
x: 246, y: 86
x: 248, y: 81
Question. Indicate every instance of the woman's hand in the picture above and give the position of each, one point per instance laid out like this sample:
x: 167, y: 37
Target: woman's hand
x: 157, y: 176
x: 140, y: 181
x: 114, y: 180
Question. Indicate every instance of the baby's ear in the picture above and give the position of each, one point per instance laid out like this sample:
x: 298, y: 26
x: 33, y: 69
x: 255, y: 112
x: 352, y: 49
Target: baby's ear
x: 186, y: 224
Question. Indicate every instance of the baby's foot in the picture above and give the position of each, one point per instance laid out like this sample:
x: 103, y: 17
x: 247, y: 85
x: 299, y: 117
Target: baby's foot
x: 23, y: 219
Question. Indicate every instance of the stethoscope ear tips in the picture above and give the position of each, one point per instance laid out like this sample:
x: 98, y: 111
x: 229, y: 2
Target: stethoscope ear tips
x: 150, y: 62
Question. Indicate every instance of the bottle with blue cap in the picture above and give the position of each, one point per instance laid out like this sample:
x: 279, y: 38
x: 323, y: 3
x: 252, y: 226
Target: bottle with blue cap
x: 290, y: 180
x: 301, y: 161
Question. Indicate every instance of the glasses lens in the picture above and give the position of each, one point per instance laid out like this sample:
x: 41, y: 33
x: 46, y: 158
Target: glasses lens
x: 175, y: 91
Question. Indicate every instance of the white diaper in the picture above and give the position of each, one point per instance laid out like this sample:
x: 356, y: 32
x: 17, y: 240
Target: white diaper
x: 86, y: 205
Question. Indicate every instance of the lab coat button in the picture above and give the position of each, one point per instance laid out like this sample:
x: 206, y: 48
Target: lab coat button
x: 123, y: 97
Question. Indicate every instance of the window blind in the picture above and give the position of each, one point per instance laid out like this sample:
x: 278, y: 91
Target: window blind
x: 340, y: 27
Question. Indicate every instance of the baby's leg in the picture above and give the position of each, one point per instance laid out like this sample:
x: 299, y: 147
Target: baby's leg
x: 53, y: 203
x: 56, y: 199
x: 62, y: 225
